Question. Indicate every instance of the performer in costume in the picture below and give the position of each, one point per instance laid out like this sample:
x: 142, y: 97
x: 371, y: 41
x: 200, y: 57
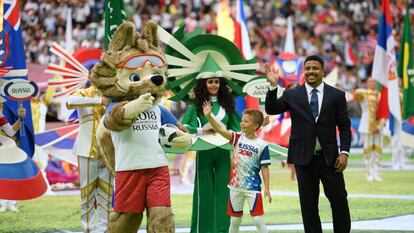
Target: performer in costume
x: 203, y: 67
x: 370, y: 129
x: 212, y: 166
x: 6, y: 128
x: 10, y: 131
x: 95, y: 179
x: 132, y: 73
x: 20, y: 178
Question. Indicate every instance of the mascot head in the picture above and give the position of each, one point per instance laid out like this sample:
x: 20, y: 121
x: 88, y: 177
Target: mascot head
x: 132, y: 66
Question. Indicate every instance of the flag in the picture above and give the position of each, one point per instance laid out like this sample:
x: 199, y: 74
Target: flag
x: 114, y: 16
x: 406, y: 68
x: 367, y: 46
x: 407, y: 135
x: 384, y: 71
x: 332, y: 77
x: 288, y: 62
x: 289, y: 40
x: 278, y: 130
x: 349, y: 54
x: 59, y: 142
x: 13, y: 46
x: 242, y: 40
x: 69, y: 42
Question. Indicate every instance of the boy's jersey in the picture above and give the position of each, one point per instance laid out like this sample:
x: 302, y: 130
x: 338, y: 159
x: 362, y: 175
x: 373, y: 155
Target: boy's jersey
x: 249, y: 155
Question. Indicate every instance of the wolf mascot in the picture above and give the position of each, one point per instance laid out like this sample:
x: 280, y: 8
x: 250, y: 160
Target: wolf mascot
x: 132, y: 73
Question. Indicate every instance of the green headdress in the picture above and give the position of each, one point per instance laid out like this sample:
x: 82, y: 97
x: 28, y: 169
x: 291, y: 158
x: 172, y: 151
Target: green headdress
x: 192, y: 56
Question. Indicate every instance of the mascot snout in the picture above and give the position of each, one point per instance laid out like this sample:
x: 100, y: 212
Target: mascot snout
x: 157, y: 80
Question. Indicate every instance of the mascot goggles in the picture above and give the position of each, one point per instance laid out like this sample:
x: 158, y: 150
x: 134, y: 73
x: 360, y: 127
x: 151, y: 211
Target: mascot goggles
x: 138, y: 61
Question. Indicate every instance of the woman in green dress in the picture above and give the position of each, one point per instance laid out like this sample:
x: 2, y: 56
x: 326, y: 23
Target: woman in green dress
x: 208, y: 67
x: 211, y: 194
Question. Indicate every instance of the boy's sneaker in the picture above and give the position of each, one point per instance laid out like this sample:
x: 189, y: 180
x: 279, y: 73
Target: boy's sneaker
x: 13, y: 208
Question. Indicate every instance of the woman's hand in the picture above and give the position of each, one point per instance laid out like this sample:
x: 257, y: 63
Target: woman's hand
x: 206, y: 108
x: 208, y: 130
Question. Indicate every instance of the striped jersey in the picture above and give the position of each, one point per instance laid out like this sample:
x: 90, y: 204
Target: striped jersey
x: 249, y: 155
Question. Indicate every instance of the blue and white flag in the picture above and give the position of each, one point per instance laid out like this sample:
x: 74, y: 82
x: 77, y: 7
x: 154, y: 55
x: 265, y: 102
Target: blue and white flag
x: 12, y: 46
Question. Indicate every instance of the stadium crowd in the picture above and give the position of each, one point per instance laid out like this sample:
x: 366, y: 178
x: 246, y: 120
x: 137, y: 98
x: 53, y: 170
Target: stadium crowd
x: 324, y: 28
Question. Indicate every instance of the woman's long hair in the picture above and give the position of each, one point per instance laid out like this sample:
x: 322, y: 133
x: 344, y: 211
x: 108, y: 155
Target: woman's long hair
x: 225, y: 99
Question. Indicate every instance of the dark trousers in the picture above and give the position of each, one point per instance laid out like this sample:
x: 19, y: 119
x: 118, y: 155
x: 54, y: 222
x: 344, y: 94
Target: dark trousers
x: 334, y: 186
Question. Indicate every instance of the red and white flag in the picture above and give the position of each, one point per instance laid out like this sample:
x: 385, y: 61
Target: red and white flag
x: 384, y: 71
x: 349, y: 55
x: 242, y: 40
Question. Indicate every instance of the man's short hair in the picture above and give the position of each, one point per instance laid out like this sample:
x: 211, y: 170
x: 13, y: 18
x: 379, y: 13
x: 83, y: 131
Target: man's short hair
x: 256, y: 115
x: 314, y: 58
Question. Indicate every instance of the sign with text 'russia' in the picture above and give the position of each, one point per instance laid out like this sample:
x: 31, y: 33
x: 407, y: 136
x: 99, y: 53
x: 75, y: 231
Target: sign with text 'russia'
x: 20, y: 89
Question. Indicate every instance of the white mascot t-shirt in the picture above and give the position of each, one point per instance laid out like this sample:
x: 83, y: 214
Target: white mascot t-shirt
x: 137, y: 147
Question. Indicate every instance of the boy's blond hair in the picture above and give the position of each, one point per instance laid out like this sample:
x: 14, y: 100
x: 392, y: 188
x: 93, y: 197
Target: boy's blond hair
x: 256, y: 115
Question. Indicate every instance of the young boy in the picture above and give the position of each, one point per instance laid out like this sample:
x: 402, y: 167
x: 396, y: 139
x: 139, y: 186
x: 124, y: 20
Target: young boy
x: 251, y: 155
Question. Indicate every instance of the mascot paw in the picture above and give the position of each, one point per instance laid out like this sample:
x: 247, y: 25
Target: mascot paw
x: 182, y: 141
x: 142, y: 104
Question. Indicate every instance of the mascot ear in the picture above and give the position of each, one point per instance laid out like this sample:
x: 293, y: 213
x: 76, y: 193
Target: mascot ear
x: 149, y: 33
x: 123, y: 36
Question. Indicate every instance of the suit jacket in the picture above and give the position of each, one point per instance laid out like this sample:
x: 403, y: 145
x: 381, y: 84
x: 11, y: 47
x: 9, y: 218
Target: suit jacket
x: 334, y: 112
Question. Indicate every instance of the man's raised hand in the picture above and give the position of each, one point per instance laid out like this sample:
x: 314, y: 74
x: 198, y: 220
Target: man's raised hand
x: 271, y: 78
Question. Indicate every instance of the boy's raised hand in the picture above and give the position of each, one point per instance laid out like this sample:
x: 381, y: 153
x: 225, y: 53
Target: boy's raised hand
x: 206, y: 108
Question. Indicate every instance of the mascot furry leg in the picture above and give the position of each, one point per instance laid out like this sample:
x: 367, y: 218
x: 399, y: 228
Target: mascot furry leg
x: 124, y: 222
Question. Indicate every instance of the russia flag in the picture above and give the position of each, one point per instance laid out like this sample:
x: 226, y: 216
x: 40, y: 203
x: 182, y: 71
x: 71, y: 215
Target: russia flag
x: 242, y: 41
x: 20, y: 178
x: 241, y: 38
x: 384, y: 71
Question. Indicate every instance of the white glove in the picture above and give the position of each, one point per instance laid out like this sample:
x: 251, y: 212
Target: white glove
x: 182, y: 141
x: 135, y: 107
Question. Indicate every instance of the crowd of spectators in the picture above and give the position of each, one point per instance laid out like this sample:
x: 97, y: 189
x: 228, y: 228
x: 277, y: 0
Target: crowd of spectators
x: 322, y: 28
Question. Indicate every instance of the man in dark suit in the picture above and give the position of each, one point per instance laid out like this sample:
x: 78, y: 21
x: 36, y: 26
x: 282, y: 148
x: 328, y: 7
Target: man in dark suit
x: 316, y: 110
